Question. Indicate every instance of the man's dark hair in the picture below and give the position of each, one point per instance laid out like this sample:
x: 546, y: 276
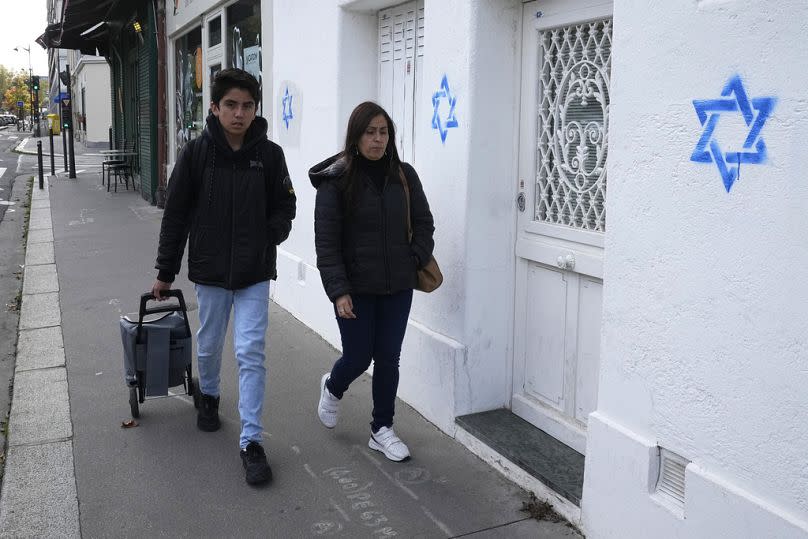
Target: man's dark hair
x: 227, y: 79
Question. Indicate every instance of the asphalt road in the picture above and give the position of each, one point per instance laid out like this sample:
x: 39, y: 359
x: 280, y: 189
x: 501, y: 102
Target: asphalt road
x: 12, y: 256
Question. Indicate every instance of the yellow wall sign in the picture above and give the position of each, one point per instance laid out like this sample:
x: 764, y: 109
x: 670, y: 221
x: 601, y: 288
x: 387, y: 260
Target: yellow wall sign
x: 198, y: 73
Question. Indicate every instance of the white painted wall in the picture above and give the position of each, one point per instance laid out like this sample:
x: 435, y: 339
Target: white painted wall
x: 704, y: 326
x: 92, y: 74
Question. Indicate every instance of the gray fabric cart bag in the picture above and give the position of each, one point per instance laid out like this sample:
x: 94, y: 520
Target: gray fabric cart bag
x: 161, y: 354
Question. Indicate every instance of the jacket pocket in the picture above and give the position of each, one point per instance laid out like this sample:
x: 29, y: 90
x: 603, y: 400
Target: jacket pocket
x: 203, y: 242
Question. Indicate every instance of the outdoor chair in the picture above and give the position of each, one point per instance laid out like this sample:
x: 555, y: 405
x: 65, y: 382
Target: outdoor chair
x: 119, y: 164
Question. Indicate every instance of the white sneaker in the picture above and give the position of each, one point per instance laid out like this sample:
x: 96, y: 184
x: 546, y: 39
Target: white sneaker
x: 386, y: 441
x: 328, y: 409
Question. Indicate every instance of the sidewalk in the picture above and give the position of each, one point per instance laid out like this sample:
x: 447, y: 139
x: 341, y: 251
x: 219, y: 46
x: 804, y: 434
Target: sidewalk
x: 72, y: 471
x: 27, y: 145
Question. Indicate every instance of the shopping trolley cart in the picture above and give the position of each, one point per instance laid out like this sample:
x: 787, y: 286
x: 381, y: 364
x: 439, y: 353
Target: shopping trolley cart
x: 157, y: 351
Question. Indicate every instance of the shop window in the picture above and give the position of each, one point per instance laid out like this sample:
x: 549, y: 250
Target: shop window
x: 215, y: 32
x: 214, y: 70
x: 188, y: 105
x: 244, y: 36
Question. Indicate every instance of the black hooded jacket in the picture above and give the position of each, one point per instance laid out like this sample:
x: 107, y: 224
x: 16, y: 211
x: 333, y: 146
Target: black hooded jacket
x: 233, y: 208
x: 366, y: 251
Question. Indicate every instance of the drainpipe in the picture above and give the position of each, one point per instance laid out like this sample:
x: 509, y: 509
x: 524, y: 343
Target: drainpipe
x: 159, y: 7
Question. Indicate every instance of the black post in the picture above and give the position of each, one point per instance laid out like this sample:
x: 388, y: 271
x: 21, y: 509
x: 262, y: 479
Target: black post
x: 39, y: 159
x: 110, y: 138
x: 53, y: 164
x: 72, y: 173
x: 64, y: 146
x: 69, y: 122
x: 36, y: 106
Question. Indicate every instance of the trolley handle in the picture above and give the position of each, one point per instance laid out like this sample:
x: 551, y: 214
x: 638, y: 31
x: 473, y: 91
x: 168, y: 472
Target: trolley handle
x: 148, y: 296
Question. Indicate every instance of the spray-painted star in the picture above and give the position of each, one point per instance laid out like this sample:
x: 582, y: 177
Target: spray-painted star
x: 451, y: 121
x: 287, y: 108
x: 754, y: 113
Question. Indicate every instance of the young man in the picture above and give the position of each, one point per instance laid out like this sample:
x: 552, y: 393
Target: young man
x: 231, y: 198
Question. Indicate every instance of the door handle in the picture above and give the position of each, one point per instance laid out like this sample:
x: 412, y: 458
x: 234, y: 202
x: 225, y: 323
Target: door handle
x: 566, y: 262
x: 520, y: 201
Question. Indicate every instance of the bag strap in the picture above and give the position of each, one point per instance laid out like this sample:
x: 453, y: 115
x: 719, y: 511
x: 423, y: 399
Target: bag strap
x: 407, y: 198
x: 199, y: 151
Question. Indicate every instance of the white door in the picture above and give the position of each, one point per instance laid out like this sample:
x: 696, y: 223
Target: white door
x: 566, y: 64
x: 401, y: 51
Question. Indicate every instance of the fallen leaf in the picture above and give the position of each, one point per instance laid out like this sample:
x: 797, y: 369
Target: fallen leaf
x: 129, y: 424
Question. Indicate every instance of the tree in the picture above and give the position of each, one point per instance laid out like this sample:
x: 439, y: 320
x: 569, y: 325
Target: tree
x: 18, y: 90
x: 5, y: 79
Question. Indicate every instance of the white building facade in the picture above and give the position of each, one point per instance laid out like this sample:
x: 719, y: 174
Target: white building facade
x: 91, y: 95
x: 613, y: 185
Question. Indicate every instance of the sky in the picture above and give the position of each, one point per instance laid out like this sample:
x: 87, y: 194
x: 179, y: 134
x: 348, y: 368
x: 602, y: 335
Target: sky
x: 20, y: 24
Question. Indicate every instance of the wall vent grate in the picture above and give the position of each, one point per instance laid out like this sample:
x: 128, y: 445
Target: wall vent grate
x: 670, y: 486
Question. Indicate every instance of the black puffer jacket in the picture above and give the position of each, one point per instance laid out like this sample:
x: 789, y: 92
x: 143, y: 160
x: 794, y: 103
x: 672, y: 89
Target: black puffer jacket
x: 366, y: 251
x: 233, y: 207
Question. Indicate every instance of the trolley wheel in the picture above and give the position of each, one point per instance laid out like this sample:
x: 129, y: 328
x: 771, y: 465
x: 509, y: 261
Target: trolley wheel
x: 133, y: 404
x: 194, y: 383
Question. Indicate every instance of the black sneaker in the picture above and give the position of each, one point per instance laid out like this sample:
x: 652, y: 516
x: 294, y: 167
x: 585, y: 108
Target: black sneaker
x: 208, y: 417
x: 255, y: 463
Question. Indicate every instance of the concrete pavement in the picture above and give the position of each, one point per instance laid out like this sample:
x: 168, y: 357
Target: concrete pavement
x: 72, y: 471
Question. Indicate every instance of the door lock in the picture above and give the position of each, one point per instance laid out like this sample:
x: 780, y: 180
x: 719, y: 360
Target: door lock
x: 566, y: 262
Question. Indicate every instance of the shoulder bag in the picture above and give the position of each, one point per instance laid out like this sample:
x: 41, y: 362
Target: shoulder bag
x: 429, y: 277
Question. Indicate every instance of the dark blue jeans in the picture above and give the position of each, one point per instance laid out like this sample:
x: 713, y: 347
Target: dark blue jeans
x: 375, y: 334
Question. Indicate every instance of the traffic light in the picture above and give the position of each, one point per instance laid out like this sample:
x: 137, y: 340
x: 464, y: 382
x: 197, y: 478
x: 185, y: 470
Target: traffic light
x: 35, y: 83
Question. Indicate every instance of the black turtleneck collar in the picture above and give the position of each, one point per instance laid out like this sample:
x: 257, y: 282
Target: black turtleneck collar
x: 376, y: 170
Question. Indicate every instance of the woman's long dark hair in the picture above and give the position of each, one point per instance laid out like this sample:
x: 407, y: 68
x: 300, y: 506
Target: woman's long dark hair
x: 357, y: 124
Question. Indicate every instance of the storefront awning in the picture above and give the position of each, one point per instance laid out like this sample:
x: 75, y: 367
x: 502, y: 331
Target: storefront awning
x: 84, y: 27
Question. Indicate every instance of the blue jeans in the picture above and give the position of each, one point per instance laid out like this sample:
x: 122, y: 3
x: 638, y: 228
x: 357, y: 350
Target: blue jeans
x: 375, y: 334
x: 250, y: 307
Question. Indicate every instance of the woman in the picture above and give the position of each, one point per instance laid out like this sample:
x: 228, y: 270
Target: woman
x: 368, y: 263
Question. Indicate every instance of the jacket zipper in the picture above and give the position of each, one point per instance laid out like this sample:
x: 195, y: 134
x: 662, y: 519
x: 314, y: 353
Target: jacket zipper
x: 384, y: 237
x: 232, y: 224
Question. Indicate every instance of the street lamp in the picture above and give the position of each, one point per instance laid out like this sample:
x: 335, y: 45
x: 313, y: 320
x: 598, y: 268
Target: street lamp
x: 30, y: 81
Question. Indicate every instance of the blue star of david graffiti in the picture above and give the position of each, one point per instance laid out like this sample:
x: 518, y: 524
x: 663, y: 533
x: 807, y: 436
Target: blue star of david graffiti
x: 287, y: 108
x: 754, y: 113
x: 451, y: 121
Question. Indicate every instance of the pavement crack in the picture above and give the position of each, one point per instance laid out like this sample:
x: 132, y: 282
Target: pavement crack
x: 498, y: 526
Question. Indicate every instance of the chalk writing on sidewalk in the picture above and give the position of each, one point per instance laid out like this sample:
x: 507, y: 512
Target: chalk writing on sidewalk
x: 360, y: 497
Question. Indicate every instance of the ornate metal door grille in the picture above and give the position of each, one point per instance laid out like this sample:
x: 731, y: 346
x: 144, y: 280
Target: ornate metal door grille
x: 574, y: 69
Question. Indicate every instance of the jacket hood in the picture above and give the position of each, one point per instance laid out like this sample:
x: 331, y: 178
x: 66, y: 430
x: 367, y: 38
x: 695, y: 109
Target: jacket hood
x: 331, y: 168
x: 256, y: 134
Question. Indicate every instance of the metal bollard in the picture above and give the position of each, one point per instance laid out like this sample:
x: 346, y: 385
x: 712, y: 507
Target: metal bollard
x: 39, y: 159
x: 53, y: 164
